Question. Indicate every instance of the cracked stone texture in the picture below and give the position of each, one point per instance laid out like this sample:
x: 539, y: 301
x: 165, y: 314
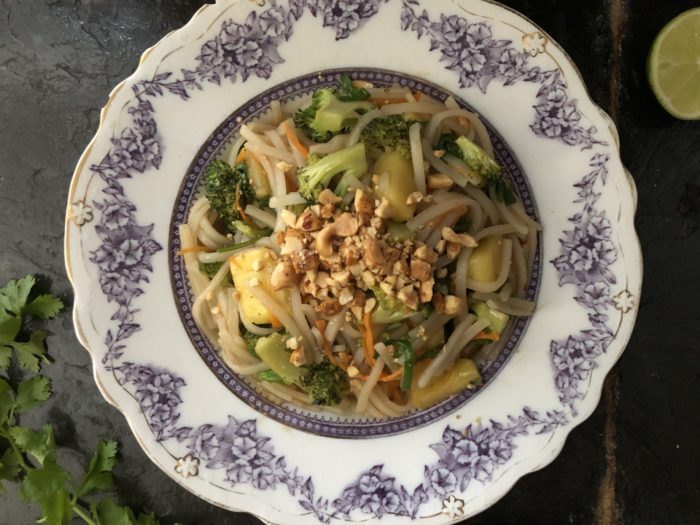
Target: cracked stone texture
x: 58, y: 61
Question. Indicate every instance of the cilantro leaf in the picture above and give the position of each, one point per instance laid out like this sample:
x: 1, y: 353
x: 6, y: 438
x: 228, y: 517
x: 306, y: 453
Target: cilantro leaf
x: 14, y: 295
x: 57, y: 508
x: 5, y: 354
x: 98, y: 476
x: 32, y: 392
x: 39, y: 484
x: 38, y: 443
x: 7, y: 401
x: 146, y: 519
x: 28, y: 353
x: 109, y: 513
x: 9, y: 467
x: 45, y: 307
x: 9, y: 328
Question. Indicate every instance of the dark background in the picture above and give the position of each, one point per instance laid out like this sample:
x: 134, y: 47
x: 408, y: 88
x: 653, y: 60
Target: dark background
x: 635, y: 460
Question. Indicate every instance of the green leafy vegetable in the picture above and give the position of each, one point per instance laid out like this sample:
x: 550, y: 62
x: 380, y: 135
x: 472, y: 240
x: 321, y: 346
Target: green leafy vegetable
x: 403, y: 350
x: 332, y: 111
x: 30, y: 456
x: 229, y: 191
x: 325, y: 383
x: 387, y: 134
x: 483, y: 170
x: 348, y: 93
x: 318, y: 171
x: 270, y: 376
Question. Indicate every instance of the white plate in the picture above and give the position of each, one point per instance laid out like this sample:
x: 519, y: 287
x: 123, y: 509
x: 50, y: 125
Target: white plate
x: 219, y: 438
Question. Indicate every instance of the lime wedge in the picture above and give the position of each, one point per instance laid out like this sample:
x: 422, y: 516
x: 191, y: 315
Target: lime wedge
x: 674, y: 66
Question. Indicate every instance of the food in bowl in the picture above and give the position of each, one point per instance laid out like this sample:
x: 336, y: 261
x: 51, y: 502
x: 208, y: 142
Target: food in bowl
x: 360, y: 251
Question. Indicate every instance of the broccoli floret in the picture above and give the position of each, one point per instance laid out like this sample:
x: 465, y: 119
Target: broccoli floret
x: 228, y: 191
x: 251, y: 232
x: 387, y: 134
x: 211, y: 269
x: 392, y: 310
x: 325, y: 383
x: 484, y: 170
x: 332, y: 111
x: 317, y: 173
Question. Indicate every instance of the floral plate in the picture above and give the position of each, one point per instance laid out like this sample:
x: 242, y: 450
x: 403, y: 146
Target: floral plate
x: 216, y: 435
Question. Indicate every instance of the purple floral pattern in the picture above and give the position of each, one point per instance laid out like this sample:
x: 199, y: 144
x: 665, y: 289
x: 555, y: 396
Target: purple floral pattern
x: 472, y: 454
x: 345, y: 16
x: 470, y: 49
x: 587, y: 253
x: 465, y: 456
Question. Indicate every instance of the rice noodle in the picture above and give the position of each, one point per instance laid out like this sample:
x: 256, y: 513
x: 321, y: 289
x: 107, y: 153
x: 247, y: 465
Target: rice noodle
x: 290, y: 199
x: 363, y: 396
x: 438, y: 118
x: 284, y: 317
x: 265, y: 218
x: 465, y: 331
x: 362, y: 122
x: 300, y: 320
x: 336, y: 143
x: 417, y: 156
x: 442, y: 167
x: 423, y: 108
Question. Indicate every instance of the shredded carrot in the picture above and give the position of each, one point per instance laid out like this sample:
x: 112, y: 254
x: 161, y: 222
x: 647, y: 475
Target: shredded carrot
x: 491, y: 336
x: 368, y: 338
x: 194, y: 249
x: 384, y: 101
x: 387, y: 101
x: 394, y: 376
x: 275, y: 322
x: 294, y: 141
x: 241, y: 156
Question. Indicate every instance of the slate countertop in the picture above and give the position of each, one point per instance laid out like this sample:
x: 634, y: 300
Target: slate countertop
x: 635, y: 460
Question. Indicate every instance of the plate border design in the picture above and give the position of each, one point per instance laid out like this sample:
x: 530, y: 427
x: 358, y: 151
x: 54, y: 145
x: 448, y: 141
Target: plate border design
x: 473, y: 453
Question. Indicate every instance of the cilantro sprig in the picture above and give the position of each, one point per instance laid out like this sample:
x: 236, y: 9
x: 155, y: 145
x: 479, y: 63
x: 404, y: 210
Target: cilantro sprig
x: 29, y: 456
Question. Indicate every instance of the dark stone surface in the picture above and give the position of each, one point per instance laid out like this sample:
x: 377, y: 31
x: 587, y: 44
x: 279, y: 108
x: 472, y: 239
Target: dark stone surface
x: 60, y: 58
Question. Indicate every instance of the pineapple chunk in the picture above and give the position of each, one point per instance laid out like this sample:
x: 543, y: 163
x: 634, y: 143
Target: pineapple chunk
x: 463, y: 374
x: 485, y: 261
x: 243, y: 269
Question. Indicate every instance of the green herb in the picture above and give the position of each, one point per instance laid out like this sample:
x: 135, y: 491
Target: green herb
x: 348, y: 93
x: 270, y: 376
x: 30, y: 456
x: 404, y: 352
x: 238, y: 246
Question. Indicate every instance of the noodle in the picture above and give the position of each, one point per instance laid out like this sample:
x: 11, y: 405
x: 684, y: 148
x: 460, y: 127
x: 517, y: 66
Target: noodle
x: 333, y: 301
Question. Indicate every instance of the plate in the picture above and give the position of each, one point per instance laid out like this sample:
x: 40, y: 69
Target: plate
x: 216, y: 435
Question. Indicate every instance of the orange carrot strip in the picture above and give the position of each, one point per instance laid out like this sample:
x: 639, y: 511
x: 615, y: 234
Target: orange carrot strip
x: 241, y: 211
x: 368, y: 338
x: 294, y: 141
x: 275, y: 322
x: 491, y: 336
x: 241, y: 156
x: 394, y: 376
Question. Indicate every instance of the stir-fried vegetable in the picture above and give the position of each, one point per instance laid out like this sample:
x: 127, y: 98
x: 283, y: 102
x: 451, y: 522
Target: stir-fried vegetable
x: 315, y: 176
x: 332, y: 111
